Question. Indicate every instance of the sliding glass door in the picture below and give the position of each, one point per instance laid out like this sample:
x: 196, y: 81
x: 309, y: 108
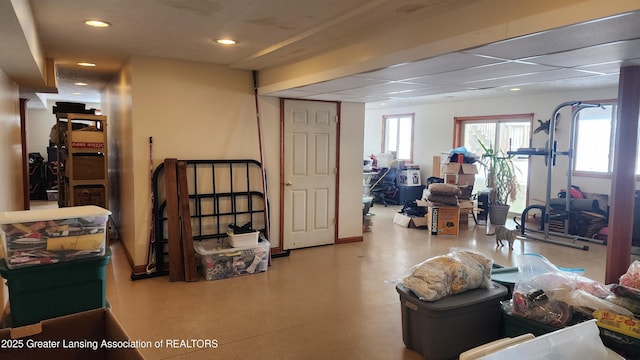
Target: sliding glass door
x: 503, y: 132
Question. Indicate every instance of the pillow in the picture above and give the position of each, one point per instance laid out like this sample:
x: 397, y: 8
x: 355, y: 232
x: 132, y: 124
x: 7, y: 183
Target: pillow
x: 444, y: 189
x: 443, y: 200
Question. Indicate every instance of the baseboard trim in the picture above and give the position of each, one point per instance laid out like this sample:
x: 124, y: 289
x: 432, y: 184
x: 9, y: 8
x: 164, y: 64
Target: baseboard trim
x: 350, y: 240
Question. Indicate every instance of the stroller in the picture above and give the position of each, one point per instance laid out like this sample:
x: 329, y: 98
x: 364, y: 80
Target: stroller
x: 383, y: 185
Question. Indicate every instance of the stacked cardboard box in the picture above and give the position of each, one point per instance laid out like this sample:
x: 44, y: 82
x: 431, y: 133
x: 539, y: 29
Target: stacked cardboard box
x: 459, y: 173
x: 443, y: 220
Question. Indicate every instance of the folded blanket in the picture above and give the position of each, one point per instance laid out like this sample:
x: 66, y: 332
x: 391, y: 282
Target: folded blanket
x: 444, y: 189
x: 443, y: 200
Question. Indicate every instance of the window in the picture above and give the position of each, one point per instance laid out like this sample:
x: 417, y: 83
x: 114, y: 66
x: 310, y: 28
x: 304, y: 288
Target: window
x: 398, y: 136
x: 594, y: 139
x: 504, y: 132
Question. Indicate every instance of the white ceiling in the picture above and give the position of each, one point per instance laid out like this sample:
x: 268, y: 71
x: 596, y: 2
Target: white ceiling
x: 587, y: 55
x: 276, y: 32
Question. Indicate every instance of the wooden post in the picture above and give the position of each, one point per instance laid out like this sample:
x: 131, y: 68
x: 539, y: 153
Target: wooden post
x: 189, y: 256
x: 623, y: 183
x: 176, y: 266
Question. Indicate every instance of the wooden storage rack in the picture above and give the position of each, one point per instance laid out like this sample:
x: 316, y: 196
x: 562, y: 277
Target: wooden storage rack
x: 82, y: 155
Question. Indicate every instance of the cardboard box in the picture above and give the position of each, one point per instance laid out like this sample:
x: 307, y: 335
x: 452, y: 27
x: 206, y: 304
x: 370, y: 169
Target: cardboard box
x: 450, y: 168
x: 464, y: 219
x: 468, y: 169
x: 410, y: 221
x: 459, y: 174
x: 409, y: 177
x: 401, y: 219
x: 89, y: 166
x: 443, y: 220
x: 95, y: 327
x: 419, y: 221
x: 422, y: 202
x: 435, y: 166
x: 451, y: 179
x: 466, y: 179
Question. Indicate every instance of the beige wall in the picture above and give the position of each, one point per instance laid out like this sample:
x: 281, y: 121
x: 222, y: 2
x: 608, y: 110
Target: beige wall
x: 192, y: 111
x: 10, y: 156
x: 116, y: 105
x: 203, y: 111
x: 10, y: 146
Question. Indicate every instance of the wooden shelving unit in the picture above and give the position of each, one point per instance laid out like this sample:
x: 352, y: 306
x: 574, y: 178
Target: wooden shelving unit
x: 82, y: 155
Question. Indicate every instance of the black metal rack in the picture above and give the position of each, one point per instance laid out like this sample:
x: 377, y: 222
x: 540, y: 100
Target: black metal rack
x: 550, y: 153
x: 221, y: 192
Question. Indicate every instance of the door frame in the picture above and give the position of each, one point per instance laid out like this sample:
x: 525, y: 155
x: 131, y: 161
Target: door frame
x: 280, y: 247
x: 26, y: 186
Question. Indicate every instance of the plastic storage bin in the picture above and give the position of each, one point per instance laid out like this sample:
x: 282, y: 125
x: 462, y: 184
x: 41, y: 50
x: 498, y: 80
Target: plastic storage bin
x: 42, y: 292
x: 218, y: 260
x: 49, y: 236
x: 575, y: 342
x: 445, y: 328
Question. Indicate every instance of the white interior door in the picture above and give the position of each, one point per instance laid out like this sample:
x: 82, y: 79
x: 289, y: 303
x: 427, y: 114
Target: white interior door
x: 309, y: 173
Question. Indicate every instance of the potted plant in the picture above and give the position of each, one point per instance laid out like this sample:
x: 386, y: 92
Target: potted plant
x: 501, y: 175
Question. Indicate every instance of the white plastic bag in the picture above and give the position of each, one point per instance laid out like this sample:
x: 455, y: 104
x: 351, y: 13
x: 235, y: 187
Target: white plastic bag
x: 458, y: 271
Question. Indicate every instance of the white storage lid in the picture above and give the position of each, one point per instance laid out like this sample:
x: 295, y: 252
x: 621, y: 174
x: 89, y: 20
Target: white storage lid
x: 212, y: 247
x: 13, y: 217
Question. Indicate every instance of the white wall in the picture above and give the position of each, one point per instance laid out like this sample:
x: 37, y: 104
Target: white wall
x: 350, y: 187
x: 434, y: 132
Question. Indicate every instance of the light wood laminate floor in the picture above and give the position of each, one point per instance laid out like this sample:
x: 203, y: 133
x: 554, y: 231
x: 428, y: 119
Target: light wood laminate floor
x: 329, y: 302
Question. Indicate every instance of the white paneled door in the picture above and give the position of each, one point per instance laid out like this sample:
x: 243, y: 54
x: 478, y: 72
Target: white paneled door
x: 309, y: 173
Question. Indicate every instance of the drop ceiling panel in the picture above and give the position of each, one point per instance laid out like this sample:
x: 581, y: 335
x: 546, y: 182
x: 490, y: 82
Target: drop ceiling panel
x: 593, y: 55
x: 435, y: 65
x: 605, y: 68
x: 552, y: 75
x: 493, y: 71
x: 622, y: 27
x: 381, y: 89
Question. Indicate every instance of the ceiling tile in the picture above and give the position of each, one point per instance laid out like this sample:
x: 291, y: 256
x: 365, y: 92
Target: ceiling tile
x: 481, y: 73
x: 381, y: 89
x: 601, y: 31
x: 629, y: 49
x: 552, y: 75
x: 435, y: 65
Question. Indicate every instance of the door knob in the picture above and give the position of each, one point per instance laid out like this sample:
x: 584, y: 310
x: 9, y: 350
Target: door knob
x: 288, y: 183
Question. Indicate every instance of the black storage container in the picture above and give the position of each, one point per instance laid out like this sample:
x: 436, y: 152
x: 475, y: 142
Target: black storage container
x: 445, y: 328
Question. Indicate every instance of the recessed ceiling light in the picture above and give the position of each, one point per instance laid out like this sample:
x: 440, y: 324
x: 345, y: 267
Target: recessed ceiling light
x: 77, y: 93
x: 81, y: 84
x: 86, y: 64
x: 226, y: 41
x: 97, y: 23
x: 515, y: 89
